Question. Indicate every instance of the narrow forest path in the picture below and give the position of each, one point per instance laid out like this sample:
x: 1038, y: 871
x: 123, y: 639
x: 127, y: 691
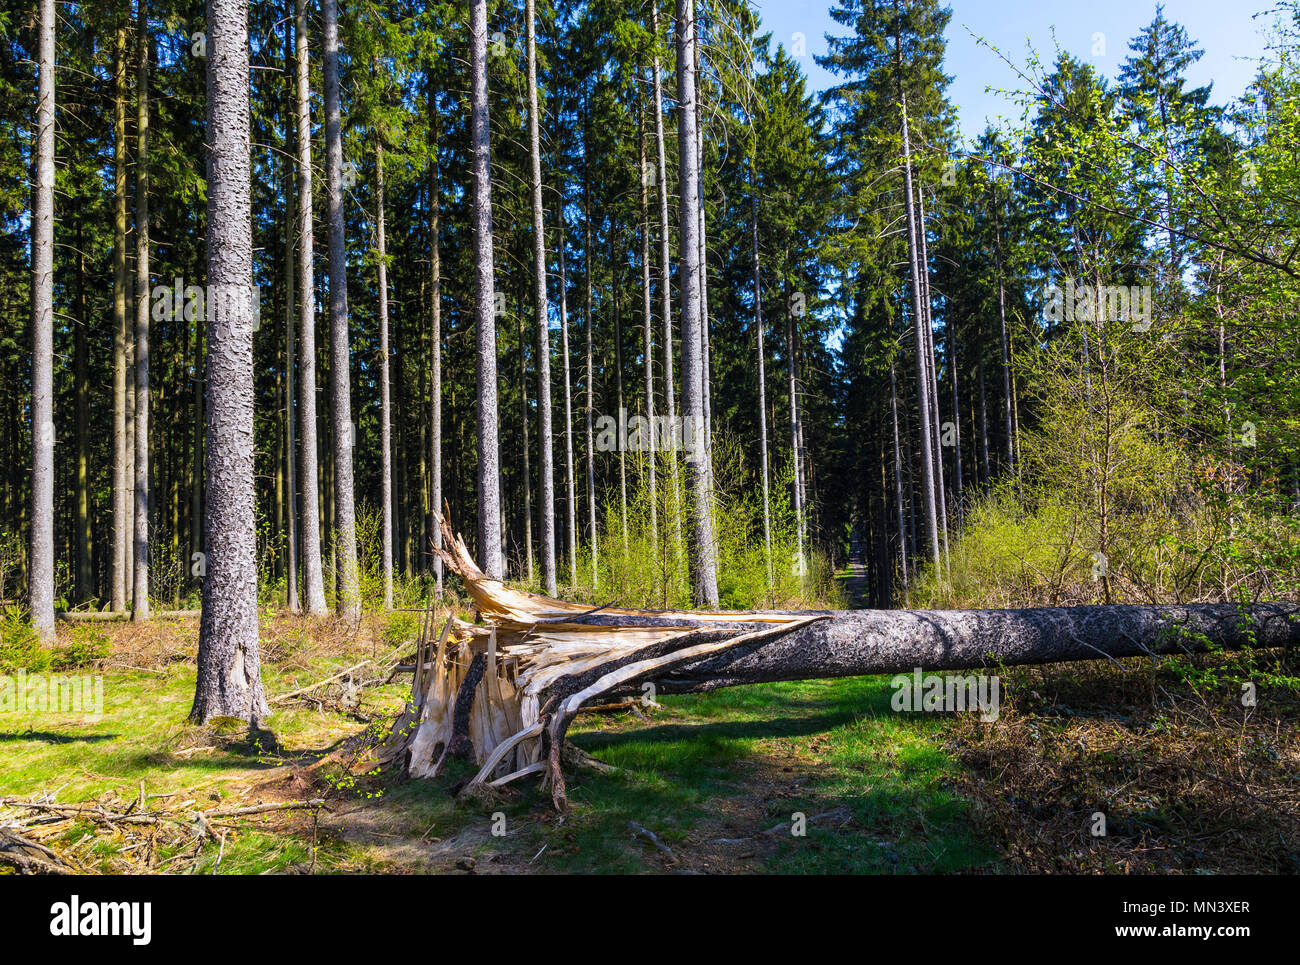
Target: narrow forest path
x: 853, y: 578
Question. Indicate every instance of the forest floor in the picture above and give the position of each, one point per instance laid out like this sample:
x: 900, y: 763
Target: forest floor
x: 1189, y: 781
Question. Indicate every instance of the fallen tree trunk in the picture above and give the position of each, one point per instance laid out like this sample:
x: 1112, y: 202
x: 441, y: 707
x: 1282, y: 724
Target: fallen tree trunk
x: 503, y: 692
x: 852, y: 643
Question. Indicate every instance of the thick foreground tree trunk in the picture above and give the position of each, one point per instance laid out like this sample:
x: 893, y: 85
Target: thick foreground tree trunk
x: 229, y: 682
x: 505, y: 691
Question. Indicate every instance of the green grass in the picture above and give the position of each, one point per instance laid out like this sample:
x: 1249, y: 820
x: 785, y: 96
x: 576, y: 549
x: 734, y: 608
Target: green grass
x: 727, y: 765
x: 770, y: 751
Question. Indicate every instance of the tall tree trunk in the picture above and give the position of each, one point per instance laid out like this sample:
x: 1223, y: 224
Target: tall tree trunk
x: 229, y: 680
x: 762, y: 369
x: 898, y: 487
x: 435, y: 338
x: 291, y: 441
x: 40, y: 571
x: 385, y: 414
x: 313, y: 574
x: 589, y: 322
x: 527, y: 486
x: 620, y: 403
x: 81, y: 369
x: 986, y: 468
x: 129, y: 494
x: 1006, y: 353
x: 345, y: 521
x: 665, y: 278
x: 485, y: 364
x: 544, y: 440
x: 956, y: 416
x: 704, y: 578
x: 140, y: 565
x: 706, y: 351
x: 647, y: 349
x: 121, y: 472
x: 922, y: 348
x: 931, y: 361
x: 796, y: 448
x: 572, y: 528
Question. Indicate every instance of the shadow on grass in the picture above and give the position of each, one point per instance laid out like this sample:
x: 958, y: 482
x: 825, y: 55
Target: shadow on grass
x: 51, y: 737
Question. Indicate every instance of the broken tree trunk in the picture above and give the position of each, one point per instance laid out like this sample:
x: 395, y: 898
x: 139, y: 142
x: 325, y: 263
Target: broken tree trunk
x: 503, y: 692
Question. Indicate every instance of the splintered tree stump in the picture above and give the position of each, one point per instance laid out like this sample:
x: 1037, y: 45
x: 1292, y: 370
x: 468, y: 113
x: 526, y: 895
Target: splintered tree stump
x: 503, y: 692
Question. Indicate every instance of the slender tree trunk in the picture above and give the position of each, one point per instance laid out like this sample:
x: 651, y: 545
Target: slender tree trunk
x: 81, y: 369
x: 527, y: 486
x: 1006, y: 354
x: 129, y: 493
x: 665, y: 280
x: 121, y: 473
x: 385, y: 414
x: 229, y: 680
x: 313, y: 574
x: 706, y: 350
x: 762, y: 370
x: 196, y: 456
x: 345, y: 522
x: 956, y: 416
x: 545, y: 441
x: 572, y: 529
x: 435, y: 338
x: 931, y: 361
x: 618, y: 395
x: 485, y: 367
x: 140, y: 566
x: 291, y: 441
x: 591, y: 368
x: 647, y: 349
x: 704, y: 578
x: 922, y: 369
x: 40, y: 572
x: 796, y: 450
x: 898, y: 487
x: 987, y: 474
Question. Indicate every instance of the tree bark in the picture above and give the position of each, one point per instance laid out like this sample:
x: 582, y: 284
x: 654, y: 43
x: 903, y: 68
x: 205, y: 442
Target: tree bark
x: 665, y: 275
x: 546, y: 510
x: 385, y: 413
x: 527, y: 487
x: 762, y: 367
x: 796, y: 435
x: 572, y: 528
x: 229, y: 680
x: 704, y: 578
x: 345, y: 521
x: 435, y: 339
x: 291, y: 440
x: 86, y: 589
x: 898, y: 486
x: 850, y: 643
x: 117, y: 566
x: 589, y: 324
x: 931, y: 361
x: 922, y: 369
x: 40, y: 578
x: 647, y: 349
x: 1006, y: 353
x: 485, y: 364
x: 313, y: 574
x: 706, y: 350
x: 140, y: 565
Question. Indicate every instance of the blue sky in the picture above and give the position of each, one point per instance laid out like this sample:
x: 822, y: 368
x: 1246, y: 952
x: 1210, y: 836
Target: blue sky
x: 1231, y: 34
